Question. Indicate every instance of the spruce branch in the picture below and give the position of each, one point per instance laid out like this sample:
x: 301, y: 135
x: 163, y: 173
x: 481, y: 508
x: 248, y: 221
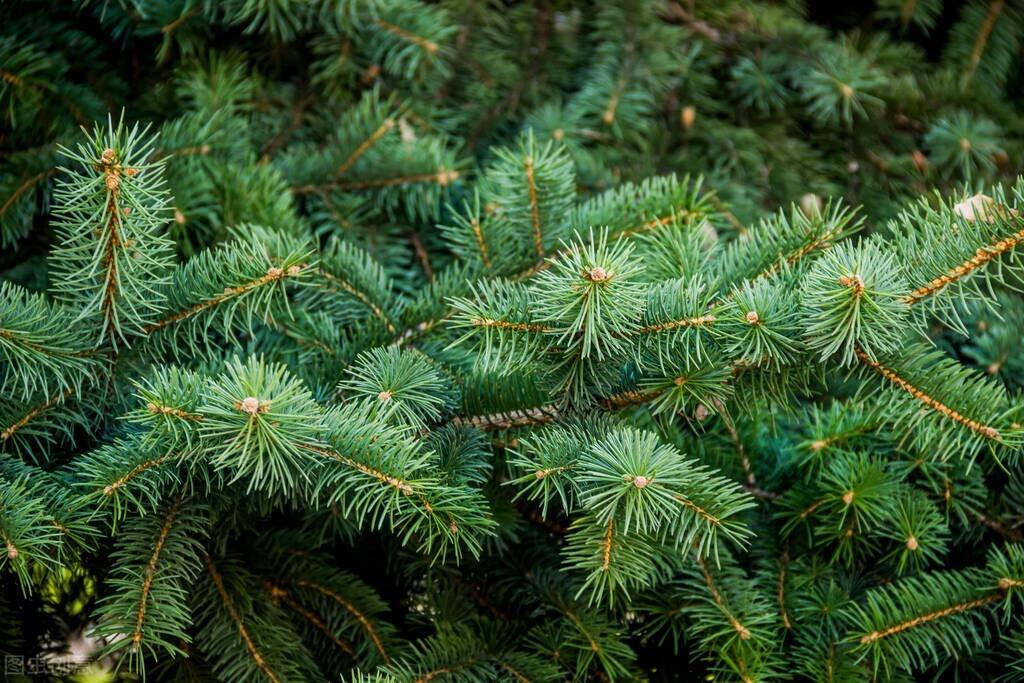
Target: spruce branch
x: 158, y: 559
x: 113, y: 258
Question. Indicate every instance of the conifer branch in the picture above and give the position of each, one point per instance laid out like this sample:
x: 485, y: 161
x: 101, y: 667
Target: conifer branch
x: 277, y: 593
x: 25, y: 186
x: 984, y: 32
x: 781, y: 593
x: 394, y: 482
x: 345, y: 286
x: 147, y: 582
x: 682, y: 323
x: 509, y: 325
x: 236, y: 617
x: 931, y: 616
x: 158, y: 409
x: 111, y: 170
x: 442, y: 177
x: 511, y: 418
x: 981, y: 258
x: 986, y: 431
x: 273, y: 276
x: 420, y: 42
x: 474, y: 223
x: 608, y: 117
x: 531, y: 186
x: 11, y: 429
x: 172, y: 26
x: 606, y: 550
x: 120, y: 482
x: 351, y: 609
x: 365, y: 146
x: 716, y: 595
x: 701, y: 512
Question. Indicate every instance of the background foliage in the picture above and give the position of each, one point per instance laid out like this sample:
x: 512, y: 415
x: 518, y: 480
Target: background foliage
x: 396, y: 340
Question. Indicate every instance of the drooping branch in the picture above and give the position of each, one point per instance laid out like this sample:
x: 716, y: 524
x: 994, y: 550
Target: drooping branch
x: 282, y: 595
x: 981, y: 41
x: 147, y: 583
x: 716, y: 595
x: 229, y: 605
x: 351, y: 609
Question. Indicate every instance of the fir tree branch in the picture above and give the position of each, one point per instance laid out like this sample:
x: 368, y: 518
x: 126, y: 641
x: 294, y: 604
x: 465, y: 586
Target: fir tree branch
x: 474, y: 223
x: 608, y: 117
x: 737, y: 625
x: 279, y: 594
x: 511, y: 418
x: 120, y: 482
x: 150, y: 572
x: 272, y: 276
x: 781, y: 593
x: 345, y: 286
x: 531, y: 186
x: 403, y: 487
x: 351, y: 609
x: 236, y: 617
x: 980, y: 259
x: 683, y: 323
x: 25, y: 186
x: 931, y: 616
x: 442, y: 177
x: 701, y: 512
x: 994, y: 10
x: 172, y: 26
x: 420, y: 42
x: 35, y: 412
x: 365, y: 146
x: 509, y: 325
x: 984, y: 430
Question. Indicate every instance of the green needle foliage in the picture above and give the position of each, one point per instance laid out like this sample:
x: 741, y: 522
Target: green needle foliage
x: 450, y: 340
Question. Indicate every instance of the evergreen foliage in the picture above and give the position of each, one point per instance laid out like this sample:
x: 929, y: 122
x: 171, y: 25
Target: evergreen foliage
x: 395, y: 340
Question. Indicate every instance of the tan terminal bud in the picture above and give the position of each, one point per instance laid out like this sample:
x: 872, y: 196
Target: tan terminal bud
x: 250, y: 405
x: 687, y: 116
x: 811, y: 204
